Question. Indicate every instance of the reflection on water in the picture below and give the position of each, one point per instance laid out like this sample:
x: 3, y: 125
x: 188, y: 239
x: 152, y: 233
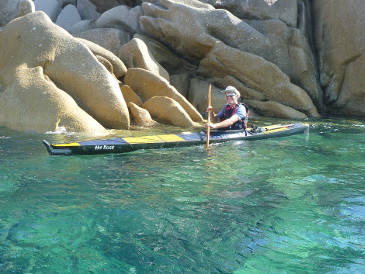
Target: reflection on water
x: 292, y: 204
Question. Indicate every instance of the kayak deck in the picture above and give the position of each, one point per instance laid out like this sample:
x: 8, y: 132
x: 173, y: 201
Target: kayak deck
x: 128, y: 144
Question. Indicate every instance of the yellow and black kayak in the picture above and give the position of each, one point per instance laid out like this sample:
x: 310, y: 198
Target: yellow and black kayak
x: 128, y: 144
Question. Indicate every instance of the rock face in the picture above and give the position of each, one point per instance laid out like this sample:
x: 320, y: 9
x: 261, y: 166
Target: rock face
x: 288, y: 58
x: 341, y: 54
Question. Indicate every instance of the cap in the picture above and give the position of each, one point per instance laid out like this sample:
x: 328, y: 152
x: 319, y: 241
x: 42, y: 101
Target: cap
x: 231, y: 90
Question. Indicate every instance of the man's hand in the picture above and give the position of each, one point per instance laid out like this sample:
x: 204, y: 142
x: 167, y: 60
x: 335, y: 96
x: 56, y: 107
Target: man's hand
x: 211, y: 125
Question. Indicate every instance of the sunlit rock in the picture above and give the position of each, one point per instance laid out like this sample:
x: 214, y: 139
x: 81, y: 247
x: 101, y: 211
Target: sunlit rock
x: 274, y: 109
x: 39, y: 58
x: 147, y: 85
x: 167, y: 111
x: 259, y: 74
x: 135, y: 54
x: 109, y: 38
x: 11, y: 9
x: 119, y: 68
x: 340, y: 40
x: 140, y: 116
x: 130, y: 96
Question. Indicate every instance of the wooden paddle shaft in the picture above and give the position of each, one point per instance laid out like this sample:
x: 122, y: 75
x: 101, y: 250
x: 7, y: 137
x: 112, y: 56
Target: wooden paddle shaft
x: 209, y: 115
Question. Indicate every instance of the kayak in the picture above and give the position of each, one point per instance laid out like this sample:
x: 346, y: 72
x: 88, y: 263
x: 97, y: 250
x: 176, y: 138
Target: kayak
x: 128, y: 144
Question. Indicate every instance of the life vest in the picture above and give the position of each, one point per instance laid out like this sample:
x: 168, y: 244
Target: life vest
x: 229, y: 111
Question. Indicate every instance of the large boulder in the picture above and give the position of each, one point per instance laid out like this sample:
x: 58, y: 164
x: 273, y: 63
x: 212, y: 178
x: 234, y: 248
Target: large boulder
x: 166, y: 110
x: 109, y: 38
x: 11, y: 9
x: 130, y: 96
x: 165, y: 56
x: 32, y: 47
x: 147, y: 85
x: 121, y: 17
x: 135, y: 54
x: 258, y: 74
x: 51, y: 7
x: 274, y: 109
x: 340, y: 40
x: 205, y: 26
x: 284, y: 10
x: 112, y: 29
x: 198, y: 95
x: 31, y: 101
x: 104, y: 5
x: 140, y: 116
x: 119, y: 68
x: 87, y: 10
x: 68, y: 17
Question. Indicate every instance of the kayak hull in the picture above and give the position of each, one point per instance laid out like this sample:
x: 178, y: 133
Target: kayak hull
x: 128, y: 144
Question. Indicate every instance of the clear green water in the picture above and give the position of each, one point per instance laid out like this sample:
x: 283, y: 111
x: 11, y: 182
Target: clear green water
x: 286, y: 205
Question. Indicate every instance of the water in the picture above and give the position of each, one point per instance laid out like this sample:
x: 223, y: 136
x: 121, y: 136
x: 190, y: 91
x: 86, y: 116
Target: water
x: 286, y: 205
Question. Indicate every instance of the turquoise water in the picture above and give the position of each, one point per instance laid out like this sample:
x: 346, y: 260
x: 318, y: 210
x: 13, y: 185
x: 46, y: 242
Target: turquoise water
x: 286, y: 205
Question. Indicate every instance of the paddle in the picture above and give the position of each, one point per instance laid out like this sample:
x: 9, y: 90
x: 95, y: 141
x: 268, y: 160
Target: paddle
x: 209, y: 115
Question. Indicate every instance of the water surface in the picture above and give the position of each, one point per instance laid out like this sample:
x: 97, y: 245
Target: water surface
x: 286, y: 205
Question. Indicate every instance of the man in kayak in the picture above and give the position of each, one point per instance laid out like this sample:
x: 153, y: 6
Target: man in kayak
x: 234, y: 115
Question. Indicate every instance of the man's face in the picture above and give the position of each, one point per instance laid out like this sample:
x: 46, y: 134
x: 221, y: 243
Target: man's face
x: 231, y: 98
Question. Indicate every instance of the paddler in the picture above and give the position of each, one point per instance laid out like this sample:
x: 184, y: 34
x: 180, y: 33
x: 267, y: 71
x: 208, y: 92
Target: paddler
x: 233, y: 116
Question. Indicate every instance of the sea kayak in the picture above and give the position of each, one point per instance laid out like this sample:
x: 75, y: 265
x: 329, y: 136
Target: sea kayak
x: 128, y: 144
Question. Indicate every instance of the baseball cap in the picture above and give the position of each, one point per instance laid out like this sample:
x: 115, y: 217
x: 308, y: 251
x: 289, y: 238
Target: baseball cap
x: 231, y: 90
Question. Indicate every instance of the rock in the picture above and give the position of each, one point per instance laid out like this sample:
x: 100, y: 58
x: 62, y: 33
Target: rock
x: 104, y: 5
x: 165, y: 57
x: 105, y: 63
x: 121, y: 17
x: 110, y: 39
x: 64, y: 3
x: 68, y: 17
x: 33, y: 102
x: 39, y: 50
x: 258, y: 74
x: 25, y: 7
x: 204, y: 28
x: 164, y: 20
x: 11, y: 9
x: 246, y: 92
x: 340, y: 41
x: 148, y: 85
x: 275, y: 109
x: 119, y: 69
x: 140, y: 116
x: 168, y: 111
x: 51, y: 7
x: 181, y: 82
x: 198, y: 96
x: 285, y: 10
x: 135, y: 54
x: 130, y: 96
x: 87, y: 10
x: 289, y: 50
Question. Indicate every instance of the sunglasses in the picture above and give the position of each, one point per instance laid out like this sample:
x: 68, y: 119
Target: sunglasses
x: 229, y: 96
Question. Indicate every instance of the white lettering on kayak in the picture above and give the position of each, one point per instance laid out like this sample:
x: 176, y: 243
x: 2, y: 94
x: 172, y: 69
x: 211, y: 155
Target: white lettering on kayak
x: 104, y: 147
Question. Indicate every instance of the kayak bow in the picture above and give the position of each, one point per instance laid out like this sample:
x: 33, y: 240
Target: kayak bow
x: 128, y: 144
